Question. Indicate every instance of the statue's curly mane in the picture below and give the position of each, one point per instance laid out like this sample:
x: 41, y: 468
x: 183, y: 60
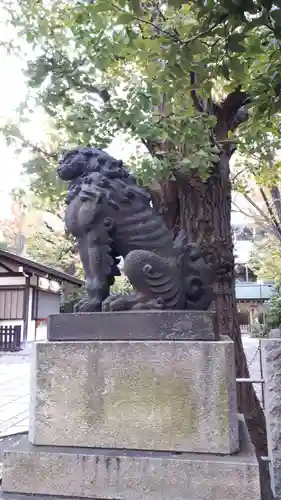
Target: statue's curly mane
x: 93, y: 172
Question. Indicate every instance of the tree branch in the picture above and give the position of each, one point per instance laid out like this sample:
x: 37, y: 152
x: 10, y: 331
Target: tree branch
x: 103, y: 93
x: 265, y: 219
x: 233, y: 179
x: 207, y: 31
x: 276, y: 199
x: 38, y: 149
x: 198, y: 104
x: 272, y: 215
x: 150, y: 23
x: 226, y: 113
x: 257, y: 208
x: 265, y: 223
x: 173, y: 34
x: 49, y: 227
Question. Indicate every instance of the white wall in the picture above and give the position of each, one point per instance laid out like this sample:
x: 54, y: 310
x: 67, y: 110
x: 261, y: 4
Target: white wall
x: 12, y: 280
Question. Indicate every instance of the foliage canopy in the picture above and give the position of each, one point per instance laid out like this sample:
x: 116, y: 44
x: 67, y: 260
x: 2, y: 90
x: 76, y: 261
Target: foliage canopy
x: 164, y: 71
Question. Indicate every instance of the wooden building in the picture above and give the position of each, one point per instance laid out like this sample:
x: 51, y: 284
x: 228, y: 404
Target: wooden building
x: 29, y: 292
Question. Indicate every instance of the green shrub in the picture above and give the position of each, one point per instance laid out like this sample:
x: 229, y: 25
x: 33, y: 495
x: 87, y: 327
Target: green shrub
x: 273, y: 317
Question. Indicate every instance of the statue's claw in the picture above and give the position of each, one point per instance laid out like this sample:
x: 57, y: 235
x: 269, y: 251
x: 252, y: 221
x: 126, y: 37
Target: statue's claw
x: 119, y: 302
x: 133, y: 301
x: 87, y: 305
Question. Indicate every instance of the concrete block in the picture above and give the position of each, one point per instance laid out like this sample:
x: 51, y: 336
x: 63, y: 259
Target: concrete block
x: 172, y: 396
x: 274, y: 333
x: 132, y: 325
x: 129, y: 475
x: 271, y: 359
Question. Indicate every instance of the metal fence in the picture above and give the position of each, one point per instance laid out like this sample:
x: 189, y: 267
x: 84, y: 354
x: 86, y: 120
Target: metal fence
x: 10, y: 338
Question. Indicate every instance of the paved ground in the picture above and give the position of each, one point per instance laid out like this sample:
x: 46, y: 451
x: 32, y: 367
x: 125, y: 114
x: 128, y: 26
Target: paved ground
x: 251, y: 347
x: 14, y: 392
x: 14, y: 389
x: 14, y: 386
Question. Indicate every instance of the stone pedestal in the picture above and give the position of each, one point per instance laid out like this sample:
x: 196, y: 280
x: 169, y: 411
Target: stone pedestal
x: 131, y: 475
x: 170, y: 396
x: 134, y: 420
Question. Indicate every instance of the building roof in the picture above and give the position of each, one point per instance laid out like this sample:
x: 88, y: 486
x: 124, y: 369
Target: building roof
x: 30, y: 266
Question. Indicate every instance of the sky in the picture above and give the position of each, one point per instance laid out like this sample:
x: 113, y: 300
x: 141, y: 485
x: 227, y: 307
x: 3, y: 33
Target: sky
x: 12, y: 92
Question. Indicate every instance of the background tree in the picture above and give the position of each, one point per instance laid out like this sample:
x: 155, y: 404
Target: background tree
x: 3, y: 244
x: 51, y: 246
x: 45, y: 237
x: 257, y: 175
x: 265, y: 260
x: 273, y: 317
x: 178, y: 77
x: 14, y: 229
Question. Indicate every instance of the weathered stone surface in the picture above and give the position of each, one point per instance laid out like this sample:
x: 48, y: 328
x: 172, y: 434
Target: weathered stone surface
x: 130, y: 475
x: 136, y: 395
x: 274, y: 333
x: 132, y: 325
x: 7, y: 441
x: 15, y: 496
x: 271, y: 357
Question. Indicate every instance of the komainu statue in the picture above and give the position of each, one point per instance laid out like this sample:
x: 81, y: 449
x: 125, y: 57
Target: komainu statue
x: 111, y: 217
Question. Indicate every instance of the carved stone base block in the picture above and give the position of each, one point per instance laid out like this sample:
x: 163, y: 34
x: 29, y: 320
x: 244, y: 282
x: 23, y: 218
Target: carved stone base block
x: 133, y: 325
x: 154, y: 395
x: 129, y: 475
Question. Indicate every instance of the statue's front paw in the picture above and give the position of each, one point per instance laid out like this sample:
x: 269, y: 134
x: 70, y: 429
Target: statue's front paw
x: 119, y: 302
x: 77, y: 307
x: 86, y: 305
x: 156, y: 303
x: 113, y: 303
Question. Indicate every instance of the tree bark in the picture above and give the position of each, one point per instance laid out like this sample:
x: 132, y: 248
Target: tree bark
x: 203, y: 210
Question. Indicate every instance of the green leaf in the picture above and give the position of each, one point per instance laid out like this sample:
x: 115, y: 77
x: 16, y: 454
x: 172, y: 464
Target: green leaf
x: 126, y: 18
x: 101, y: 6
x: 276, y: 105
x: 216, y: 150
x: 197, y: 47
x: 237, y: 66
x: 186, y: 161
x: 214, y: 158
x: 234, y: 42
x: 136, y: 7
x: 175, y: 3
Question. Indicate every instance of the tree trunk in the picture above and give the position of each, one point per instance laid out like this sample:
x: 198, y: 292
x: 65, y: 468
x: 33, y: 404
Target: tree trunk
x: 203, y: 209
